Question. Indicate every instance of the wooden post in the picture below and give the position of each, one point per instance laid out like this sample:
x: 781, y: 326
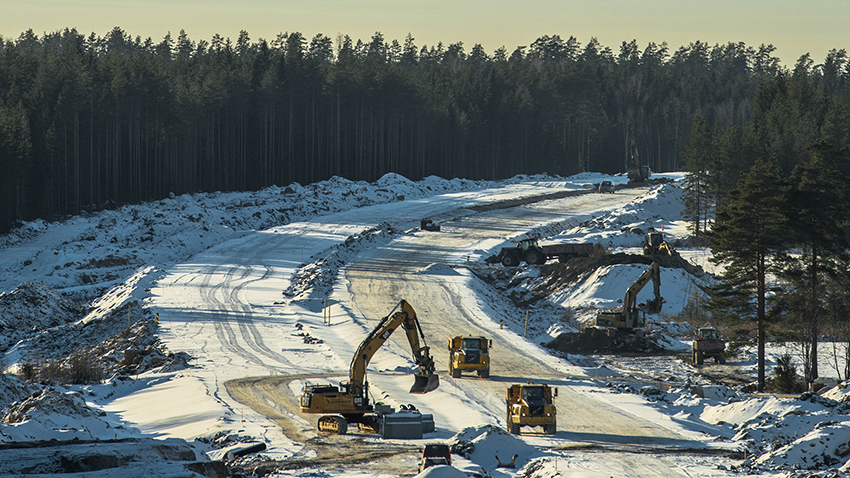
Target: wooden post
x: 524, y: 334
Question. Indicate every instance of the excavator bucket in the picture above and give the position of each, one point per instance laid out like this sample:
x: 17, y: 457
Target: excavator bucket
x: 653, y: 306
x: 425, y: 382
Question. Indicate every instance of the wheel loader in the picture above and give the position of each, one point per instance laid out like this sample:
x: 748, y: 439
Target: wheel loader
x: 531, y: 405
x: 655, y: 245
x: 349, y: 402
x: 469, y: 354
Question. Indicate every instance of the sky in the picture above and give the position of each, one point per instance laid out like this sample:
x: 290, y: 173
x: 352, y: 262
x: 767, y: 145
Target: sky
x: 793, y: 27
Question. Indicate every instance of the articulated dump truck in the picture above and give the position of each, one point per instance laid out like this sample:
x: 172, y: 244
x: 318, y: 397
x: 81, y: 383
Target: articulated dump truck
x: 469, y: 354
x: 531, y: 405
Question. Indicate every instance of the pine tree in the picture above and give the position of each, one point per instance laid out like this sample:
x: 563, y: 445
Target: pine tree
x: 818, y: 212
x: 749, y: 239
x: 699, y: 161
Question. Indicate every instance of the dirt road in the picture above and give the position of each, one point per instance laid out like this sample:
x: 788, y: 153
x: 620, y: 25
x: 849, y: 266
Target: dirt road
x: 380, y: 277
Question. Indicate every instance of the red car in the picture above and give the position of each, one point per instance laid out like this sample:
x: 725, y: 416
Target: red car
x: 435, y: 454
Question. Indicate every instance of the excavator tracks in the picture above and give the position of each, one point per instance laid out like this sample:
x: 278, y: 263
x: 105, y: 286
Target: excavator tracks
x: 333, y: 424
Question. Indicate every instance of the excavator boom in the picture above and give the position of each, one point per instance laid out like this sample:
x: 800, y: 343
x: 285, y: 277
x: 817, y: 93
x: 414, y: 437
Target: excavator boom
x: 349, y: 402
x: 402, y: 315
x: 632, y: 316
x: 653, y: 274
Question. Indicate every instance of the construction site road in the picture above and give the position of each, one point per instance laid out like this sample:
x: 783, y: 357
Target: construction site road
x: 379, y: 277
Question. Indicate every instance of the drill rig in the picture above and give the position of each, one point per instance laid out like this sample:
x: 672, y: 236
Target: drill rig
x: 349, y: 403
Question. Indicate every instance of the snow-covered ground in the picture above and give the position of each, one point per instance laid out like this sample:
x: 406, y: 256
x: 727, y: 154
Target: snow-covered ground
x: 126, y: 264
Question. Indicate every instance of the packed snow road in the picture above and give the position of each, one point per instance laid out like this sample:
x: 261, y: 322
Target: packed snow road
x: 404, y: 269
x: 234, y: 289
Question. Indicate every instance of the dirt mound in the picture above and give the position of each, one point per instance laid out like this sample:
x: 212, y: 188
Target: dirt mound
x: 50, y: 401
x: 555, y: 276
x: 577, y: 269
x: 598, y: 341
x: 33, y: 307
x: 101, y: 348
x: 135, y: 350
x: 92, y: 457
x: 13, y: 389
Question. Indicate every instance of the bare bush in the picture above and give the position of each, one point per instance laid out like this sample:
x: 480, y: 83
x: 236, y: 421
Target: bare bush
x: 28, y: 371
x: 51, y: 372
x: 78, y: 369
x: 84, y: 368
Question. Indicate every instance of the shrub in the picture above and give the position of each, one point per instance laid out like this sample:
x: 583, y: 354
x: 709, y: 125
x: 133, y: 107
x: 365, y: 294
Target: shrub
x: 78, y: 369
x: 83, y: 369
x: 785, y: 375
x: 51, y: 372
x: 28, y: 371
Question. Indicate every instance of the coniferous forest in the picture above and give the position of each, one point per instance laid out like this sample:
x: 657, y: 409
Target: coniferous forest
x: 88, y: 122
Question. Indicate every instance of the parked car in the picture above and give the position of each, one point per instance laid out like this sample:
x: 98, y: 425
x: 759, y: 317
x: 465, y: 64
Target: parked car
x: 606, y: 187
x: 434, y: 454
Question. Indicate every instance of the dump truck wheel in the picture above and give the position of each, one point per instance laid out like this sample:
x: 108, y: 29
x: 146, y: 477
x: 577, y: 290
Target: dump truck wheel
x: 562, y: 258
x: 700, y: 359
x: 514, y: 429
x: 550, y: 429
x: 721, y: 359
x: 455, y: 373
x: 484, y: 373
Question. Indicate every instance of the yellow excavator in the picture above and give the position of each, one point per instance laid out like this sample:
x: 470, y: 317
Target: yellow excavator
x: 631, y: 315
x: 349, y: 403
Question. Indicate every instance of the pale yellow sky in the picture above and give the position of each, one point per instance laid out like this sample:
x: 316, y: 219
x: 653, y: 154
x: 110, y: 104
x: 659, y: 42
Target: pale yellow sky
x: 794, y: 27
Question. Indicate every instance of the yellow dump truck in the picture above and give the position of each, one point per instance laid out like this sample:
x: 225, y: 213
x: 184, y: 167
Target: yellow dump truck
x: 531, y: 405
x: 469, y: 354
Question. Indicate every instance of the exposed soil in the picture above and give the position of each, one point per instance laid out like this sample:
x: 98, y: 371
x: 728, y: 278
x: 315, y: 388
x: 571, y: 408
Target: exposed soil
x: 555, y: 275
x: 331, y: 451
x: 560, y: 275
x: 594, y: 341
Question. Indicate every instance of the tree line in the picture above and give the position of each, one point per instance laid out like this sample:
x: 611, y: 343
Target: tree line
x: 88, y: 122
x: 771, y: 197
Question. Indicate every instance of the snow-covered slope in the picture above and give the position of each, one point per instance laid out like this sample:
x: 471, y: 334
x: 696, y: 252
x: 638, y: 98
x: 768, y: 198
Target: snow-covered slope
x: 114, y: 259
